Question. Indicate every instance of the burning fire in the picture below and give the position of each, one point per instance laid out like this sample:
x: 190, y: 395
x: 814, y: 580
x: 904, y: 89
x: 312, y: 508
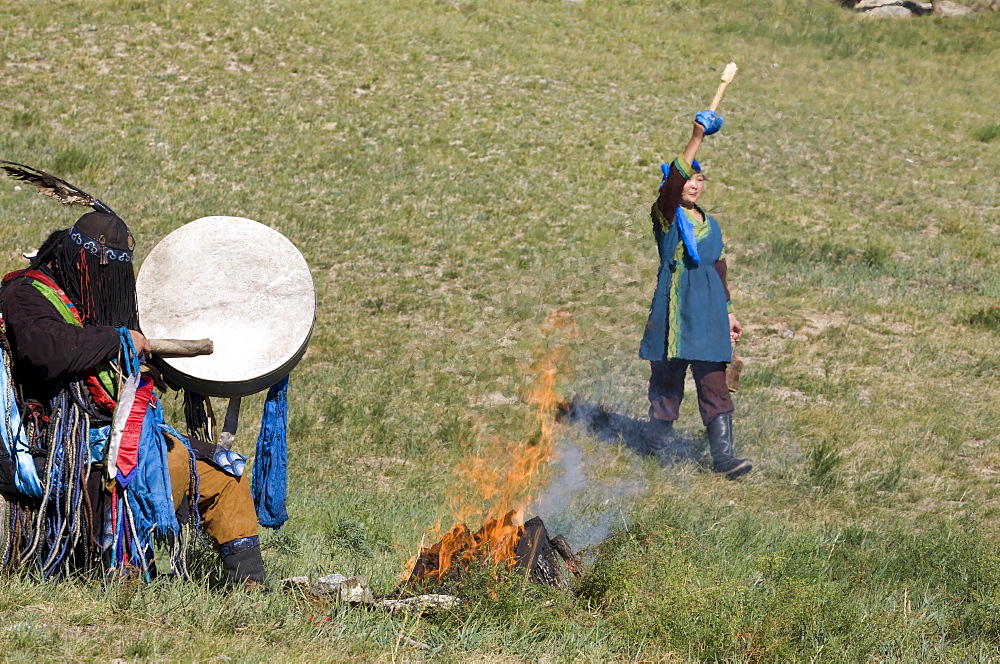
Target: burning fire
x: 503, y: 476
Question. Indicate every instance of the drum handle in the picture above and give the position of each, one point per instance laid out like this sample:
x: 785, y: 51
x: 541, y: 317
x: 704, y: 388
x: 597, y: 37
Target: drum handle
x: 231, y: 424
x: 181, y: 347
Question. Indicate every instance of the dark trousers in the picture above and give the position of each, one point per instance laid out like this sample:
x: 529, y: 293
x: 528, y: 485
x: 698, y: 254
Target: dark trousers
x: 666, y: 389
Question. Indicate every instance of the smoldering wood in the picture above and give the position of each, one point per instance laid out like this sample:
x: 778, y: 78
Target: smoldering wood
x: 543, y: 559
x: 429, y: 561
x: 562, y: 547
x: 536, y: 554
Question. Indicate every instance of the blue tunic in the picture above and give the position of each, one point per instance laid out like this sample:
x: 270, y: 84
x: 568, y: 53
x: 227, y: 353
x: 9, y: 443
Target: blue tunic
x: 688, y: 317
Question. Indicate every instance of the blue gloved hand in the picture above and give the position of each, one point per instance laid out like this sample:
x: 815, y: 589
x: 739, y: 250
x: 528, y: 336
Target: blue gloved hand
x: 710, y: 120
x: 229, y: 462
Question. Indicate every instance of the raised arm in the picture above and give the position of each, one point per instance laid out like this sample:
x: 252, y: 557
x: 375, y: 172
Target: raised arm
x: 697, y: 135
x: 706, y: 123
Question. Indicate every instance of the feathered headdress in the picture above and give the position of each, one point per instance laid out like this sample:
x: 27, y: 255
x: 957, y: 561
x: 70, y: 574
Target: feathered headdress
x: 93, y: 257
x: 52, y: 186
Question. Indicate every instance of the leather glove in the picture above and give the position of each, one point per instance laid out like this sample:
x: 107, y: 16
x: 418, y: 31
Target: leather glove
x: 710, y: 120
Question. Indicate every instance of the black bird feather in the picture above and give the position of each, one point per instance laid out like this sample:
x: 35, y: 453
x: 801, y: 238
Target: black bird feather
x: 52, y: 186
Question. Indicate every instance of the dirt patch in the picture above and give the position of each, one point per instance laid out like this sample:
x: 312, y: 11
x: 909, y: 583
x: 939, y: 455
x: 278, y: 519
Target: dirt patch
x: 818, y: 322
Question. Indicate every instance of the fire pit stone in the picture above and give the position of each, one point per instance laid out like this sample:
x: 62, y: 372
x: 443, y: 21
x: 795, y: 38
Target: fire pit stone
x: 354, y: 590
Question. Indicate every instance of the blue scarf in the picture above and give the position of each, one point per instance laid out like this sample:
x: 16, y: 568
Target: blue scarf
x: 269, y: 481
x: 684, y: 226
x: 149, y: 492
x: 687, y: 234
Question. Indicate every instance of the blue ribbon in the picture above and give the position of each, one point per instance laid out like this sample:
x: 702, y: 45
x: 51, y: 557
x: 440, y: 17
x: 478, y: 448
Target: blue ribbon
x: 665, y: 168
x: 15, y: 440
x: 269, y: 480
x: 149, y: 492
x: 130, y: 361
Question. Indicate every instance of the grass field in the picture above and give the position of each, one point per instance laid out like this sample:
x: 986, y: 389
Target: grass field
x: 459, y: 173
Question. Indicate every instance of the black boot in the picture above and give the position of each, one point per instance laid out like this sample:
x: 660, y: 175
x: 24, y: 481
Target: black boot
x: 720, y: 442
x: 242, y: 562
x: 660, y: 439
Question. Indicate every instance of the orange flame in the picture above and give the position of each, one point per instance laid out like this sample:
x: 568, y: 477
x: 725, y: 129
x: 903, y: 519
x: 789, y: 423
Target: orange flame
x: 496, y: 541
x: 503, y: 475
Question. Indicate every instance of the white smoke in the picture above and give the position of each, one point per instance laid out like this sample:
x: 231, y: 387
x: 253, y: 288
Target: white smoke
x: 578, y: 504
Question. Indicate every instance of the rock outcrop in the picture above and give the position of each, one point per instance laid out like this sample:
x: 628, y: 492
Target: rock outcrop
x: 910, y: 8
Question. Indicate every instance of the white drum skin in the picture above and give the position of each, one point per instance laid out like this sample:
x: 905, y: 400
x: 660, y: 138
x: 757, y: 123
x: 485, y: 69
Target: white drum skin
x: 239, y: 283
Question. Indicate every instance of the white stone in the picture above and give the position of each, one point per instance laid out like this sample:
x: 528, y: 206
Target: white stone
x: 908, y: 8
x: 328, y: 585
x: 954, y: 9
x: 354, y: 590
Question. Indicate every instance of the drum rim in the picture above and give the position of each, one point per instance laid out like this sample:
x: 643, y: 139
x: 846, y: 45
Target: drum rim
x: 240, y: 387
x: 231, y: 389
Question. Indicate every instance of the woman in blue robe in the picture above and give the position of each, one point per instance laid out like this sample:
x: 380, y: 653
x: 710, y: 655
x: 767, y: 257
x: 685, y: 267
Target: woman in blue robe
x: 690, y: 319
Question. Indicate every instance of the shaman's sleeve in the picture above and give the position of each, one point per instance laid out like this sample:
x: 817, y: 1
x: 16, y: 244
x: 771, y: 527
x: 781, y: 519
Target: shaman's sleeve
x: 42, y: 341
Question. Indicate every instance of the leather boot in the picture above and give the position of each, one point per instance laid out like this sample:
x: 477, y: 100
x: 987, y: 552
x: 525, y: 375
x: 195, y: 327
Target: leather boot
x: 660, y: 439
x: 243, y: 563
x: 720, y: 442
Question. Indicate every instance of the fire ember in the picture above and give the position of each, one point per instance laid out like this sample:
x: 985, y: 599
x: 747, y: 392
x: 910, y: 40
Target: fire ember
x: 505, y: 475
x: 499, y: 542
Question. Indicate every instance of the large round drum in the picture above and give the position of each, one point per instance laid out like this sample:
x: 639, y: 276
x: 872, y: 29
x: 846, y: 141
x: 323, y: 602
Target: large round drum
x: 239, y: 283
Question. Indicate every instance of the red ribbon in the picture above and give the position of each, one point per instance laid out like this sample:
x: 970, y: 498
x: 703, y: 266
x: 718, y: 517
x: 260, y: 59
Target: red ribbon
x: 128, y: 447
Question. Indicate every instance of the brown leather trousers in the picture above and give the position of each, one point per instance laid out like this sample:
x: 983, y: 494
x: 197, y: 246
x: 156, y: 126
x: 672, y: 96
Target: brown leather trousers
x: 224, y: 502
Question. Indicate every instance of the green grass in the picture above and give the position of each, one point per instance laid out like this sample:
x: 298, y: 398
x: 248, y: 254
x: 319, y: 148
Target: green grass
x: 455, y: 172
x: 987, y: 132
x: 988, y: 318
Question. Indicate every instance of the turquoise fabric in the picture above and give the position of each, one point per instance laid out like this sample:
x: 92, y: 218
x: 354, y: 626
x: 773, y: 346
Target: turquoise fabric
x: 701, y: 322
x: 149, y: 491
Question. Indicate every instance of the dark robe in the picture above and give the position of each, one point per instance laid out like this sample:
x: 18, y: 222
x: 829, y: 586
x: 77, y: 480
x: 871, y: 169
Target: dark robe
x: 45, y: 349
